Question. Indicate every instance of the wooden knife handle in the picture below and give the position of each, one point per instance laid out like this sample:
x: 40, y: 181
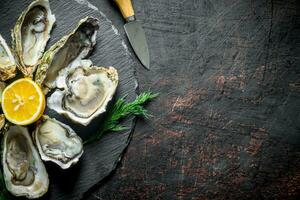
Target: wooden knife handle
x: 125, y: 7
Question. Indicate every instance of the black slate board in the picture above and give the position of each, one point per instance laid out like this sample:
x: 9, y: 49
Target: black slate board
x: 99, y: 158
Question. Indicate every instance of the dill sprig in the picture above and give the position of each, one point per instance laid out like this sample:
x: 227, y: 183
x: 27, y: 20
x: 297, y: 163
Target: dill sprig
x: 120, y: 110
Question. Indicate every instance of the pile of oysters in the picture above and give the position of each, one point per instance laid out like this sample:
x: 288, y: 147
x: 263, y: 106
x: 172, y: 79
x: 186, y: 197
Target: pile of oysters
x: 74, y: 87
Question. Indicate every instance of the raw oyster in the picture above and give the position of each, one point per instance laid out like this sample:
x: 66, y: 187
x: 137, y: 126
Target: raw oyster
x: 24, y: 172
x: 75, y: 45
x: 31, y: 34
x: 84, y: 91
x: 7, y: 61
x: 57, y: 142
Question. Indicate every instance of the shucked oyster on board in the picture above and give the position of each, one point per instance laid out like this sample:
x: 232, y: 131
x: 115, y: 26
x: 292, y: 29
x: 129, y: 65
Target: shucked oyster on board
x: 57, y: 142
x: 7, y: 61
x: 31, y: 34
x: 24, y: 172
x: 74, y: 46
x: 85, y: 91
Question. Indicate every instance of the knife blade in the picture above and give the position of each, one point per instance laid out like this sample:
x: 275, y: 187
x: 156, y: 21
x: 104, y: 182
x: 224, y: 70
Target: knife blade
x: 135, y: 32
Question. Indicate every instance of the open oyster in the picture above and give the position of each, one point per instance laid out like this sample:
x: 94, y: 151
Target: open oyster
x: 57, y: 142
x: 24, y: 172
x: 7, y: 62
x: 75, y: 45
x: 31, y: 33
x: 85, y: 91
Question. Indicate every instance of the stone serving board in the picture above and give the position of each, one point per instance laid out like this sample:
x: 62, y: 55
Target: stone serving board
x: 100, y: 158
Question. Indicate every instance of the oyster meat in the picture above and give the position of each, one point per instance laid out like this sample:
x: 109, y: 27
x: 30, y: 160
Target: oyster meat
x: 57, y: 142
x: 7, y: 61
x: 24, y: 172
x: 84, y: 92
x: 31, y: 34
x: 75, y: 45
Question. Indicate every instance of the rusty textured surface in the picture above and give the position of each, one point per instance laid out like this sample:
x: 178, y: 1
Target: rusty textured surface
x: 227, y: 122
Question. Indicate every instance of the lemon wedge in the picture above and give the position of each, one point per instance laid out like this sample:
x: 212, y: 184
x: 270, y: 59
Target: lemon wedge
x: 23, y: 102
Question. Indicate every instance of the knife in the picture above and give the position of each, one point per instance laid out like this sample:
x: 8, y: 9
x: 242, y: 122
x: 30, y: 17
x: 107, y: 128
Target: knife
x: 134, y: 32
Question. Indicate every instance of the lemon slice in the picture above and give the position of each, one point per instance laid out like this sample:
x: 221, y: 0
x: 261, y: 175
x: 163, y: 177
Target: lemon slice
x: 23, y: 102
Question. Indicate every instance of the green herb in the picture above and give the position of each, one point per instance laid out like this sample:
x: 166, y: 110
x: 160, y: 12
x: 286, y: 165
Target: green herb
x: 120, y: 110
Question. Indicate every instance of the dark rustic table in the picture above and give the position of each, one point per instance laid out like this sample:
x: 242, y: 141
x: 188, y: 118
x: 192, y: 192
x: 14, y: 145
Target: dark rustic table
x: 227, y: 122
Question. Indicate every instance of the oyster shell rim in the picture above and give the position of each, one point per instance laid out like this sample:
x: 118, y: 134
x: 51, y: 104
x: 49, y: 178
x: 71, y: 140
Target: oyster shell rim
x: 10, y: 71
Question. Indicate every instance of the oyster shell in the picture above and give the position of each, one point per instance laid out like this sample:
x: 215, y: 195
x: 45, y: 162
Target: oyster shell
x: 7, y: 61
x: 24, y: 172
x: 31, y: 34
x: 84, y: 92
x: 75, y: 45
x: 57, y: 142
x: 2, y: 87
x: 2, y: 121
